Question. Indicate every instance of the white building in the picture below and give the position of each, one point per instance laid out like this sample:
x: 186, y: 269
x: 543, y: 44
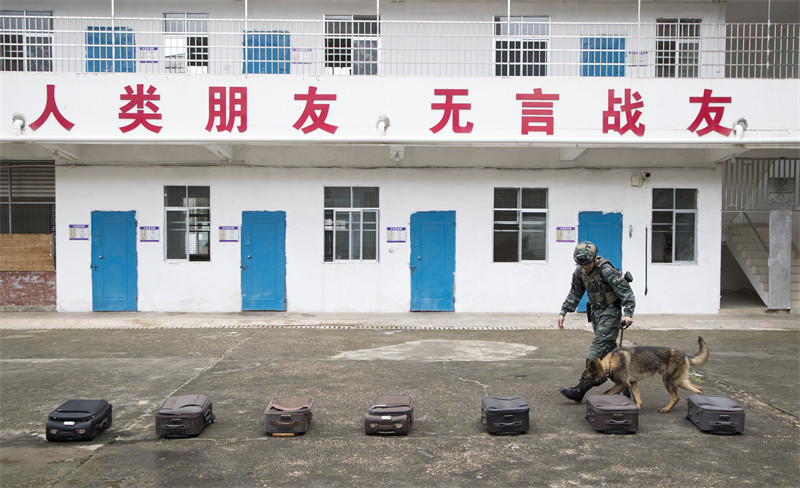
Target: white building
x: 363, y: 156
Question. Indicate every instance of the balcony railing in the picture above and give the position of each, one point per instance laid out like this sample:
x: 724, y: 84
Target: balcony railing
x: 402, y: 48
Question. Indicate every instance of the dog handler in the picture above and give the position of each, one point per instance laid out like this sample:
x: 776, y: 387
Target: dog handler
x: 608, y: 293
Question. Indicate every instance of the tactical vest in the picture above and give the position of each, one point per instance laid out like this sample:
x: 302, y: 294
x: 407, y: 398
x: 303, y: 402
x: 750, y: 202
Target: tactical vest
x: 599, y: 293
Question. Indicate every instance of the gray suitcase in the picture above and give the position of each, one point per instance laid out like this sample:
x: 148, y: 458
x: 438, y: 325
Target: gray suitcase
x: 612, y: 414
x: 288, y: 416
x: 715, y: 414
x: 505, y: 415
x: 390, y: 414
x: 184, y: 416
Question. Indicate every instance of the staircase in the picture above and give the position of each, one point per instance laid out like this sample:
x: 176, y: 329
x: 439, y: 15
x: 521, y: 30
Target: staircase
x: 748, y: 251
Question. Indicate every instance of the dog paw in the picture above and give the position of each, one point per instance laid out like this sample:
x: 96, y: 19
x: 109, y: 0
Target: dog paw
x: 664, y: 410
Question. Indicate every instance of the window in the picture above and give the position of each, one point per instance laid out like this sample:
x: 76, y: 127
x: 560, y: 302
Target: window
x: 678, y: 48
x: 351, y: 223
x: 520, y: 224
x: 674, y: 225
x: 186, y: 43
x: 26, y: 40
x: 602, y: 56
x: 110, y: 50
x: 188, y: 221
x: 27, y: 197
x: 351, y: 44
x: 522, y: 50
x: 267, y: 52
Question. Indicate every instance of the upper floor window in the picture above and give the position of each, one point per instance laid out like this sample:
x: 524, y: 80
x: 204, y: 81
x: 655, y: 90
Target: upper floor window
x: 603, y: 56
x: 186, y: 43
x: 187, y: 212
x: 678, y: 48
x: 26, y: 40
x: 351, y: 223
x: 521, y: 45
x: 351, y: 44
x: 674, y: 225
x: 520, y: 224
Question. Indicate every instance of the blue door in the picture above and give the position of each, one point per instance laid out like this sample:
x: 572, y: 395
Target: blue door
x: 114, y: 261
x: 433, y: 261
x: 605, y: 230
x: 263, y: 260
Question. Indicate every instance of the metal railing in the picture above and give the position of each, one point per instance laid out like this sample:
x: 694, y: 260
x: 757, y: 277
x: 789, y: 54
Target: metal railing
x: 403, y: 48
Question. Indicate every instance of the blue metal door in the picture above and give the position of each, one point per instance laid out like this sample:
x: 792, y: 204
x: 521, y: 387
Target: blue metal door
x: 605, y: 230
x: 433, y: 261
x: 263, y: 261
x: 114, y: 261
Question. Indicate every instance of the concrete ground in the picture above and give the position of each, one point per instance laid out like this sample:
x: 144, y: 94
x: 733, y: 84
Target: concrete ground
x: 447, y: 362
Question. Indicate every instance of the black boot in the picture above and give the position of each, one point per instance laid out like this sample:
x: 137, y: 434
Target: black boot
x: 577, y: 392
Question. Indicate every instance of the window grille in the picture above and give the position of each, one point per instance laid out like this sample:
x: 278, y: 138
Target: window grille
x: 26, y: 40
x: 27, y: 197
x: 520, y: 224
x: 678, y: 48
x: 188, y: 222
x: 186, y: 43
x: 674, y: 225
x: 351, y: 223
x: 521, y: 45
x: 351, y: 44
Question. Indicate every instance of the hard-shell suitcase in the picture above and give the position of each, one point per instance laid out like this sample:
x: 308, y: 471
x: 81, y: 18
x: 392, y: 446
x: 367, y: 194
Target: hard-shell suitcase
x: 612, y: 414
x: 505, y: 415
x: 184, y: 415
x: 715, y: 414
x: 288, y: 416
x: 390, y: 414
x: 78, y: 420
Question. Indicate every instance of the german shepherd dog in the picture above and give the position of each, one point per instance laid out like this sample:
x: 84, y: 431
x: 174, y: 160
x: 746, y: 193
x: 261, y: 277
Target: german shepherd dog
x: 625, y: 366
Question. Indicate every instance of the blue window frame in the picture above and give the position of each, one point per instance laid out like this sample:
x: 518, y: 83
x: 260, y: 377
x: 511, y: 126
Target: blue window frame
x: 603, y: 56
x: 110, y: 50
x: 267, y: 52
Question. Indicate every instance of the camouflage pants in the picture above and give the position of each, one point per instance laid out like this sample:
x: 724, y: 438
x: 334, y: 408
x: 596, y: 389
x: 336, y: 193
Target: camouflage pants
x: 606, y: 328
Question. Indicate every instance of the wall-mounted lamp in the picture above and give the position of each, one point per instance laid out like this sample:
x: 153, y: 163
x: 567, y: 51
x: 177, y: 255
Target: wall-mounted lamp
x: 638, y: 178
x: 382, y: 124
x: 397, y: 153
x: 739, y: 127
x: 19, y: 123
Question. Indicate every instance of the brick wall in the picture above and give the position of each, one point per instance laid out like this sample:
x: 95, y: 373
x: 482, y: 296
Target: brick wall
x: 27, y: 272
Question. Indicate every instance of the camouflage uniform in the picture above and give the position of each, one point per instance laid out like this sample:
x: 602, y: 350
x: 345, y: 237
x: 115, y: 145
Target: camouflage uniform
x: 608, y: 293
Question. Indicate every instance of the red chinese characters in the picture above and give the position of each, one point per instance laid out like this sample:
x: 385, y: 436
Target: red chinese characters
x: 51, y: 108
x: 537, y: 111
x: 630, y: 109
x: 451, y: 110
x: 140, y: 100
x: 712, y: 116
x: 317, y: 112
x: 228, y: 109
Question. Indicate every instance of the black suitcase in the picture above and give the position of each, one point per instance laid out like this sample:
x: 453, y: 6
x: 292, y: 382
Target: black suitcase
x: 389, y: 414
x: 78, y: 420
x: 612, y: 414
x: 184, y: 415
x: 715, y: 414
x: 505, y: 415
x: 288, y: 416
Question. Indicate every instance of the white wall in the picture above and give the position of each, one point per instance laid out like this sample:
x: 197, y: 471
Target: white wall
x: 481, y: 285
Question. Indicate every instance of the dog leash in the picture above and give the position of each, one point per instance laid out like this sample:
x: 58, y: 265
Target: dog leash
x: 622, y: 327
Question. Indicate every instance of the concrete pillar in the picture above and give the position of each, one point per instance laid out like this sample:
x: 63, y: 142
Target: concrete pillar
x: 780, y: 260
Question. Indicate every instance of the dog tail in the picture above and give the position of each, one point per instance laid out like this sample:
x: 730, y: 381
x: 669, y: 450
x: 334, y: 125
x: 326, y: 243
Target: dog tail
x: 701, y: 357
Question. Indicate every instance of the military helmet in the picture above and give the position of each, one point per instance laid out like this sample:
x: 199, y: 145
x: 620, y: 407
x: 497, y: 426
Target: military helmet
x: 585, y: 252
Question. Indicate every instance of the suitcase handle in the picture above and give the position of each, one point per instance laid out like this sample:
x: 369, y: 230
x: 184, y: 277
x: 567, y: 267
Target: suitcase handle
x: 280, y: 423
x: 505, y: 425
